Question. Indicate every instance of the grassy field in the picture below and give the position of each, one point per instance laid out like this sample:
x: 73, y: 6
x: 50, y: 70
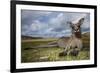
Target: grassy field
x: 51, y: 54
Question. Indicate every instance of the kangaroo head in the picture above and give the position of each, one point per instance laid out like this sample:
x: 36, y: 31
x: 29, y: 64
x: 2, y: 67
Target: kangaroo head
x: 76, y: 27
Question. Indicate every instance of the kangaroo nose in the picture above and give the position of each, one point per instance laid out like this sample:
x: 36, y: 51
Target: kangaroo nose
x: 77, y: 30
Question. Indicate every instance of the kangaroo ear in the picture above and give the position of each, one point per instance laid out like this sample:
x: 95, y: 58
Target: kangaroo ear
x: 81, y: 21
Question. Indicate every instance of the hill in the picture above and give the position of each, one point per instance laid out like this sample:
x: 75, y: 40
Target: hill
x: 86, y: 40
x: 29, y: 37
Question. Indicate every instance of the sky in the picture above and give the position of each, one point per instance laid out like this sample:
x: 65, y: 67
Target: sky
x: 51, y: 23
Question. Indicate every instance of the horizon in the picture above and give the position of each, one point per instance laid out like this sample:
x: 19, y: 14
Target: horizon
x: 49, y: 37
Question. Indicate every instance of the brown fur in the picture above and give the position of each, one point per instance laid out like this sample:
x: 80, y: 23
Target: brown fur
x: 74, y: 41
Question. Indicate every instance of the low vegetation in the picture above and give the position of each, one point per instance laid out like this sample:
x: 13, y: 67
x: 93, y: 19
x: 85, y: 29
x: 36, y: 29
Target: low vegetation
x: 51, y: 54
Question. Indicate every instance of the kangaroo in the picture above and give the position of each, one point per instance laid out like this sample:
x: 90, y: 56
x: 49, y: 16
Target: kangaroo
x: 74, y: 41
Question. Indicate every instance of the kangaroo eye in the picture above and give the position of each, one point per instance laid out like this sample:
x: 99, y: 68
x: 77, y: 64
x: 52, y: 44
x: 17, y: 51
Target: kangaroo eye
x: 73, y: 27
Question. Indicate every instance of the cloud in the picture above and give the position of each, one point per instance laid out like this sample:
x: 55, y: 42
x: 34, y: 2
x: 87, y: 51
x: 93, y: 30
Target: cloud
x: 50, y: 24
x: 59, y: 20
x: 33, y: 13
x: 37, y: 25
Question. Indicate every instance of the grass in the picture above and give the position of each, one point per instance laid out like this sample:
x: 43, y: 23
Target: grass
x: 50, y: 54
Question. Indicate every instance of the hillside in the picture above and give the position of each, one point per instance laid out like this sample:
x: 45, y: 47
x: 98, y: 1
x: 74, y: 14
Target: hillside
x: 86, y: 40
x: 29, y: 37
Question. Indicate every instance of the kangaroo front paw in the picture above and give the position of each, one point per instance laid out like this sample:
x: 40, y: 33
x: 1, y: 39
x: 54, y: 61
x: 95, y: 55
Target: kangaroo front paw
x: 64, y: 53
x: 74, y: 52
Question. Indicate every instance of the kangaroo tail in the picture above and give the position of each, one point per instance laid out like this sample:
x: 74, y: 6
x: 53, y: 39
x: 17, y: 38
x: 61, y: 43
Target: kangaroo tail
x: 52, y: 43
x: 48, y: 45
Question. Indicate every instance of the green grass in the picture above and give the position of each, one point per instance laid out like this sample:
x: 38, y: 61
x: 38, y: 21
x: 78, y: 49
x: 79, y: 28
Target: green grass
x: 50, y: 54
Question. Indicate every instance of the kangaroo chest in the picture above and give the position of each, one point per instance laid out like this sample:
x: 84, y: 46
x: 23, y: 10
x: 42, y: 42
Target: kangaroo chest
x: 70, y: 42
x: 77, y: 34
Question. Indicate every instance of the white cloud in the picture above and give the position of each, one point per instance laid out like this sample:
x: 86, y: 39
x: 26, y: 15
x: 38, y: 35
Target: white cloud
x: 66, y: 31
x: 37, y: 25
x: 57, y: 20
x: 49, y: 30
